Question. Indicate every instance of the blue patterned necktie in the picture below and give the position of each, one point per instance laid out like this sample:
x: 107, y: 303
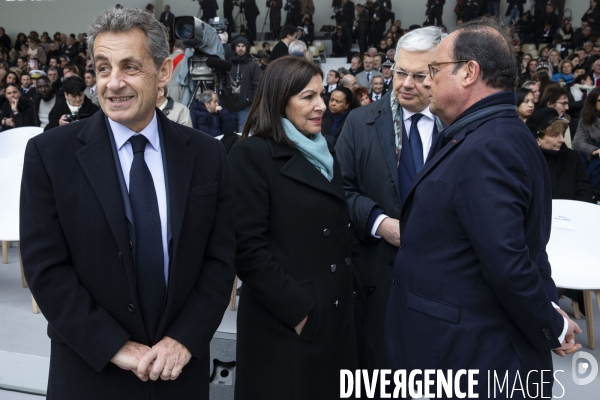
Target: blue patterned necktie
x: 416, y: 145
x: 149, y: 257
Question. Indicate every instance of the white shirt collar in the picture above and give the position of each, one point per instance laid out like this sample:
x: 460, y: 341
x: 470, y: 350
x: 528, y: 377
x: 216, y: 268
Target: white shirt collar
x: 426, y: 113
x: 123, y: 133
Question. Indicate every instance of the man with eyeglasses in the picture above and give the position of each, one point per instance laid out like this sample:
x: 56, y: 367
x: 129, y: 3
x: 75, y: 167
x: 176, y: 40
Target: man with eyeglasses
x: 73, y: 106
x: 381, y: 150
x: 472, y: 286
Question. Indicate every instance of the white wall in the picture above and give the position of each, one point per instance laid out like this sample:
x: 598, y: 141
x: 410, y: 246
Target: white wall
x: 74, y: 16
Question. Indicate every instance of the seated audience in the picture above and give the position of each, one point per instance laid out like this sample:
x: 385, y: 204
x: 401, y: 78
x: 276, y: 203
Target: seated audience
x: 44, y: 102
x: 525, y: 103
x: 361, y: 94
x: 27, y: 88
x: 529, y: 70
x: 209, y: 117
x: 349, y: 81
x: 331, y: 81
x: 71, y: 107
x: 17, y: 110
x: 564, y: 73
x: 587, y: 138
x: 91, y: 90
x: 339, y: 106
x: 174, y: 110
x: 568, y: 176
x: 377, y: 88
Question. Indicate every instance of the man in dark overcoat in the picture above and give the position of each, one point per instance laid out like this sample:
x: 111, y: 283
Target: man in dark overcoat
x: 472, y: 286
x: 126, y: 231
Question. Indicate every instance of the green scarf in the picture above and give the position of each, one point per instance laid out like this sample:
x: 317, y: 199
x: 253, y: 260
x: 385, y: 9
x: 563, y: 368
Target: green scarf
x: 313, y: 148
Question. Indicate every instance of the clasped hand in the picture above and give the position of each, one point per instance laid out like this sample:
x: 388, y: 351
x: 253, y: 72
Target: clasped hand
x: 165, y: 359
x: 568, y: 346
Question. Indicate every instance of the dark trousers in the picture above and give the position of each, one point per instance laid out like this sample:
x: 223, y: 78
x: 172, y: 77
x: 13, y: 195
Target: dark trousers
x: 361, y: 37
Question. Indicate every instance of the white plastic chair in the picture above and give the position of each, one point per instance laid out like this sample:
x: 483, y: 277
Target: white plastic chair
x: 12, y: 152
x: 572, y: 251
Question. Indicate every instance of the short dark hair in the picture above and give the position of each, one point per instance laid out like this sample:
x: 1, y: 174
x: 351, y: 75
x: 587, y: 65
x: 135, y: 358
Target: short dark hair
x: 347, y: 93
x: 581, y: 78
x: 551, y: 95
x: 487, y: 42
x: 286, y: 31
x: 91, y: 72
x: 282, y: 79
x: 337, y: 74
x: 73, y: 85
x: 521, y: 94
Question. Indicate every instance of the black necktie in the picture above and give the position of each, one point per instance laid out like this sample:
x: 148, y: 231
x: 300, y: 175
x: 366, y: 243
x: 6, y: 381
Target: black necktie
x: 149, y: 261
x: 416, y: 145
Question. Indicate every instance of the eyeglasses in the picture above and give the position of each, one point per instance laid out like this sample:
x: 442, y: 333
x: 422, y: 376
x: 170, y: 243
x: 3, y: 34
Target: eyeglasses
x: 402, y: 75
x: 431, y: 66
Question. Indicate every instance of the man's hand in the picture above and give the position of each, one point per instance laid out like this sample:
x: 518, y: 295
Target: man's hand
x: 9, y: 122
x: 389, y: 229
x: 300, y: 326
x: 129, y: 356
x: 568, y: 346
x: 595, y: 152
x: 165, y: 359
x: 63, y: 121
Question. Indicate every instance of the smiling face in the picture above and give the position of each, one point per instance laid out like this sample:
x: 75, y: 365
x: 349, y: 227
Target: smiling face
x: 305, y: 109
x: 127, y: 81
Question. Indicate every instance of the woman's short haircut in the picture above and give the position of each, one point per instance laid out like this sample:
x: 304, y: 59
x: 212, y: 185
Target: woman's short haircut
x: 557, y: 127
x: 346, y: 92
x: 73, y: 85
x: 562, y: 63
x: 282, y: 79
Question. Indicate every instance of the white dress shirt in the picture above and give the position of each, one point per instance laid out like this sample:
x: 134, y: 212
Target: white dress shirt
x: 153, y: 157
x: 425, y: 125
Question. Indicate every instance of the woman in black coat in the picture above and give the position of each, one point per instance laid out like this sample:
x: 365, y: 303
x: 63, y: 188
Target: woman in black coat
x: 295, y: 254
x: 568, y: 176
x: 16, y: 110
x: 340, y: 101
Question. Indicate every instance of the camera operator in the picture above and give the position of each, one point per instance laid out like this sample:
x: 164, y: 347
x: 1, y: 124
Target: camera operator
x: 293, y: 16
x: 228, y: 14
x: 251, y: 12
x: 379, y: 17
x: 275, y: 16
x: 341, y: 42
x: 73, y: 106
x: 363, y: 25
x: 307, y: 6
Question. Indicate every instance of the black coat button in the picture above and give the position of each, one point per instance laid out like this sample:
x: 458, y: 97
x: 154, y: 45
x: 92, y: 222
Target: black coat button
x: 394, y: 281
x: 546, y: 333
x: 392, y: 183
x: 400, y: 247
x: 130, y: 244
x: 131, y: 308
x: 335, y: 304
x: 389, y: 261
x: 355, y: 294
x: 333, y: 267
x: 326, y: 232
x: 120, y: 256
x: 348, y: 261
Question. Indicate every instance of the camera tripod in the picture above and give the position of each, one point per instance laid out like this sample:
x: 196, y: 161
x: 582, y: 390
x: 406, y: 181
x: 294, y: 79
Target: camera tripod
x: 265, y: 23
x: 242, y: 18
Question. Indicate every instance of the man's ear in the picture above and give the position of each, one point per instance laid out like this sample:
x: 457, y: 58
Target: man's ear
x: 471, y: 72
x: 165, y: 71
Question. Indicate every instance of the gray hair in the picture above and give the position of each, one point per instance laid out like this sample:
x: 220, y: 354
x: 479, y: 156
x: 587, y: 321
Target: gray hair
x: 206, y: 96
x: 297, y: 46
x: 120, y: 20
x: 422, y: 39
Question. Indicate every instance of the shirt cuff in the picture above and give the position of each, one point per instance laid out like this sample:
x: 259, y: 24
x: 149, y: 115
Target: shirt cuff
x: 561, y: 338
x: 376, y: 224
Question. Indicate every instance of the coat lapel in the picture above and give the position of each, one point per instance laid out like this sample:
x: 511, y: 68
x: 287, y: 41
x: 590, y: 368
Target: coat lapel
x: 301, y: 170
x: 179, y: 170
x: 98, y: 164
x: 382, y: 118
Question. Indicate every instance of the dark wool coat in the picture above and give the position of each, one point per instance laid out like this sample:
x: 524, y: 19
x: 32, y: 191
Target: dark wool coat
x: 78, y: 257
x: 295, y: 259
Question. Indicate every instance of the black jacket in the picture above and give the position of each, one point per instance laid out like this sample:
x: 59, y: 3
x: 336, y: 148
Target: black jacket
x: 246, y: 73
x: 25, y: 115
x: 568, y: 175
x: 296, y: 257
x: 61, y: 108
x: 279, y: 50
